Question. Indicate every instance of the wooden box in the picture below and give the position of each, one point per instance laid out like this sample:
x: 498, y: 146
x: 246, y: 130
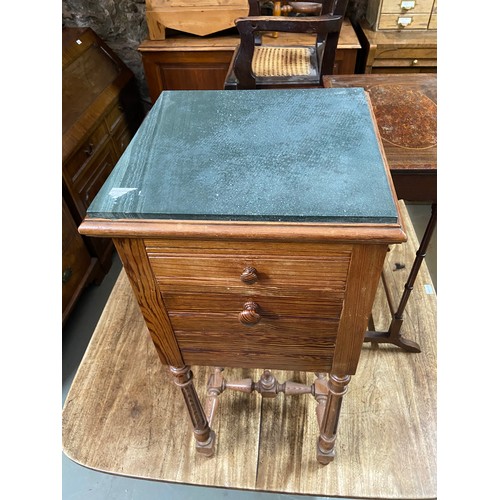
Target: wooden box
x: 197, y: 17
x: 402, y: 14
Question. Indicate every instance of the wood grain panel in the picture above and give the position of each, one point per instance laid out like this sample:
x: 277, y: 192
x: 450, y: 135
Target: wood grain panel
x: 248, y: 247
x: 329, y: 307
x: 367, y: 264
x: 135, y: 262
x: 233, y: 343
x: 278, y: 275
x: 309, y: 363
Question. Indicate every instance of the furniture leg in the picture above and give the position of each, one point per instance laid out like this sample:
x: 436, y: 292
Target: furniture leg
x: 393, y: 335
x: 204, y: 436
x: 337, y: 387
x: 215, y: 386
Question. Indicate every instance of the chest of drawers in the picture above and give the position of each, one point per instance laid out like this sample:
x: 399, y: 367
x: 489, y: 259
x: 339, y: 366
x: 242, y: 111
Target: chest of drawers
x: 404, y: 15
x: 253, y: 227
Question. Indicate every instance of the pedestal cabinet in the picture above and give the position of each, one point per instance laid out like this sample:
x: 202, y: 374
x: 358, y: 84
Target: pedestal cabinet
x: 100, y: 113
x: 253, y: 227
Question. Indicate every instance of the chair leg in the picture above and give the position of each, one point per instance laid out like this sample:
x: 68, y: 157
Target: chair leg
x: 337, y: 387
x: 204, y: 436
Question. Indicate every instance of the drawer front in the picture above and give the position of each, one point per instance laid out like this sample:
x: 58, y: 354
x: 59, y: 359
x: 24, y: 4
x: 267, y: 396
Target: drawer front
x: 114, y: 117
x: 209, y: 331
x: 78, y: 164
x: 96, y: 173
x: 281, y: 348
x: 405, y: 63
x: 274, y: 275
x: 270, y: 308
x: 406, y: 6
x: 404, y: 21
x: 241, y: 303
x: 121, y: 138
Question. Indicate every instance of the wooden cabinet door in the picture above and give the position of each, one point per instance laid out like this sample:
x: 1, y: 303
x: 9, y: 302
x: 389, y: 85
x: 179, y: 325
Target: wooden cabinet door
x: 185, y: 70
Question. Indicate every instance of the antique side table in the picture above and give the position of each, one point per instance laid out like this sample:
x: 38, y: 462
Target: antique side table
x: 253, y: 228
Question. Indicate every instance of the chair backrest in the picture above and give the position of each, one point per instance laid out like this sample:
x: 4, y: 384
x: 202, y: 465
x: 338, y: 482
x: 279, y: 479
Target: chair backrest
x: 325, y: 26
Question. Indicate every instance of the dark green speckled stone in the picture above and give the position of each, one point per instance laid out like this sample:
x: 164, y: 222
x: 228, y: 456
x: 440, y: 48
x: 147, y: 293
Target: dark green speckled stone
x: 264, y: 155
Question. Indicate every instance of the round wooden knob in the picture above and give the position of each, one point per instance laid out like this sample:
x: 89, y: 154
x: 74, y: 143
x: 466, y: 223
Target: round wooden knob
x: 250, y: 315
x: 249, y: 275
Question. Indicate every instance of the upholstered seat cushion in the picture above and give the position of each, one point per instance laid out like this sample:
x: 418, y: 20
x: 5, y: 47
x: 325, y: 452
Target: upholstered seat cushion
x: 282, y: 61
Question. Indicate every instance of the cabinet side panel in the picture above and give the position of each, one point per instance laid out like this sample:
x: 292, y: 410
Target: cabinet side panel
x: 136, y: 264
x: 366, y: 268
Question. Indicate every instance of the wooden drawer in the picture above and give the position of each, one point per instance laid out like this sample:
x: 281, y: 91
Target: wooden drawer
x: 214, y: 333
x: 399, y: 14
x: 78, y: 163
x: 405, y: 59
x: 121, y: 137
x: 270, y: 307
x: 404, y: 21
x: 222, y: 343
x: 95, y: 174
x: 405, y: 63
x: 406, y: 6
x: 281, y: 275
x: 114, y: 117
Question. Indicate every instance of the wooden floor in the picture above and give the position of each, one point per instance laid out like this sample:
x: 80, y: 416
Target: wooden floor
x: 124, y: 416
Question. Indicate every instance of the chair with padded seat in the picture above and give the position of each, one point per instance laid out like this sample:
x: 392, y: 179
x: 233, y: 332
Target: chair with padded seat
x: 299, y: 57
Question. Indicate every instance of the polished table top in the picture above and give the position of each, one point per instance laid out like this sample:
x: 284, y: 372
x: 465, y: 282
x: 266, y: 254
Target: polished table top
x: 280, y: 155
x: 405, y: 107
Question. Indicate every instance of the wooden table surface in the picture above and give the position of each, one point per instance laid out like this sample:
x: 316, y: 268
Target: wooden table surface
x: 122, y: 412
x: 405, y: 106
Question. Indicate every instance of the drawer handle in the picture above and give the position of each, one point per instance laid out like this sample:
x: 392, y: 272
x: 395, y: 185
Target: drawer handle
x: 403, y: 22
x: 414, y: 62
x: 66, y: 275
x: 249, y: 275
x: 250, y: 314
x: 89, y: 149
x: 407, y: 4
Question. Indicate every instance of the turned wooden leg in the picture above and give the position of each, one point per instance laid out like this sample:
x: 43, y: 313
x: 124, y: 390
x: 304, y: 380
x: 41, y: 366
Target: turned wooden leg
x: 337, y: 387
x: 205, y: 437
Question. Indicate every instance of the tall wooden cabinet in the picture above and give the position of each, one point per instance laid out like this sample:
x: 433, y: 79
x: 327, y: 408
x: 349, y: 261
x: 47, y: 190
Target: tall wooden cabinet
x: 100, y: 113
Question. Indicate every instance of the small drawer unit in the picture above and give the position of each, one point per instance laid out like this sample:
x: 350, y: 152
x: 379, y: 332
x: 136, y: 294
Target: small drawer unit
x: 246, y: 257
x: 402, y: 14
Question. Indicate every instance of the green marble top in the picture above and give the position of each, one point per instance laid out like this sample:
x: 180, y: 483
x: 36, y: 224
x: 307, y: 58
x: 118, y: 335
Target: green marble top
x: 306, y: 155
